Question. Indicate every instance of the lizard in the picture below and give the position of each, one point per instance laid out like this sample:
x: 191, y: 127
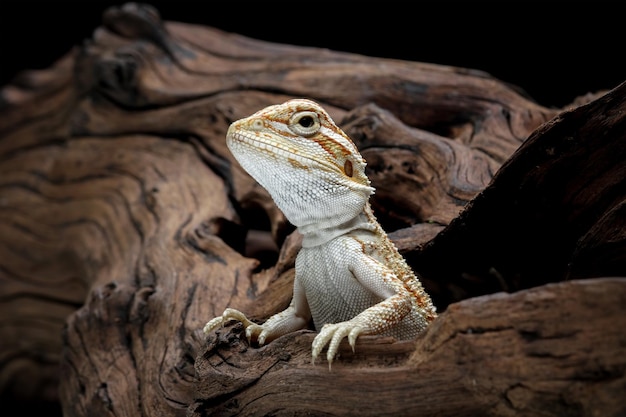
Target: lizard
x: 350, y: 279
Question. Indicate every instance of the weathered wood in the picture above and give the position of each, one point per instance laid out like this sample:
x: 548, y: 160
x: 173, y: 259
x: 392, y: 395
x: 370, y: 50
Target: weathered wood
x: 125, y: 224
x: 501, y: 354
x: 553, y: 212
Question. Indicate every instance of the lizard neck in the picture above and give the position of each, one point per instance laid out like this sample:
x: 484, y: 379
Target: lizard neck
x: 316, y: 234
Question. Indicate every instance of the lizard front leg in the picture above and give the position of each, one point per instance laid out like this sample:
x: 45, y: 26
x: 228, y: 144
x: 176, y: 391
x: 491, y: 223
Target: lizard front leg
x: 294, y: 317
x: 396, y: 305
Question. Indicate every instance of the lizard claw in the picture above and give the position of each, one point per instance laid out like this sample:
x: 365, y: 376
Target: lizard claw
x: 333, y: 334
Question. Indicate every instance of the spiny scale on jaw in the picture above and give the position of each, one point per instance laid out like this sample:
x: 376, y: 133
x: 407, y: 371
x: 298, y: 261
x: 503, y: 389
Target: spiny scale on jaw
x: 273, y: 127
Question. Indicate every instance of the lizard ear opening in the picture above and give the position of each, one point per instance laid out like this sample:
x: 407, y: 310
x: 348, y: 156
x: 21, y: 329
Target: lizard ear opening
x: 304, y: 123
x: 347, y: 168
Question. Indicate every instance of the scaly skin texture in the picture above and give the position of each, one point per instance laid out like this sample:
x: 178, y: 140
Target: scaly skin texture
x: 350, y: 279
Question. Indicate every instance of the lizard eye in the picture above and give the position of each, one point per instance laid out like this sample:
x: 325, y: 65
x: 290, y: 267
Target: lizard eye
x: 304, y: 123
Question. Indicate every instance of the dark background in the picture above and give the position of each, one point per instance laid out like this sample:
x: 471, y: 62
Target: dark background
x: 554, y: 51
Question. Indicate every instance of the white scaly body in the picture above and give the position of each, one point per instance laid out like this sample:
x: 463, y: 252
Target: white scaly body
x: 350, y: 279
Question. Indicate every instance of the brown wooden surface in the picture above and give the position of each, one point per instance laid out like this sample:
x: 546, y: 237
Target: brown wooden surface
x: 126, y: 224
x: 503, y: 354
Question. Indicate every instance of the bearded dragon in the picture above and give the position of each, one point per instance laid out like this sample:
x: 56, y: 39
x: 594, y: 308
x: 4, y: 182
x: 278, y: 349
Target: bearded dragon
x: 350, y: 279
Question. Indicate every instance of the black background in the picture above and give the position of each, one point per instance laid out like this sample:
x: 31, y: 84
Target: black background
x: 554, y: 51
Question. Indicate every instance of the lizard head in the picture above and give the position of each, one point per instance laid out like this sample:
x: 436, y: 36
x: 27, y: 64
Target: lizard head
x: 310, y: 167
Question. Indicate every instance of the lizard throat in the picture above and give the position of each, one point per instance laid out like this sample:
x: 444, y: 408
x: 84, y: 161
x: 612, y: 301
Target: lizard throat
x: 315, y: 235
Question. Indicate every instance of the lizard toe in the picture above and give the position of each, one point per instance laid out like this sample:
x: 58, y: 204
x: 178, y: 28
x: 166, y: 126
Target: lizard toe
x: 213, y: 324
x: 340, y: 331
x: 255, y: 331
x: 321, y: 340
x: 355, y: 332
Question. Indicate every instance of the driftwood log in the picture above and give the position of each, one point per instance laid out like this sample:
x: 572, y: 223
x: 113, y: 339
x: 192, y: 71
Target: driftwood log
x: 126, y: 224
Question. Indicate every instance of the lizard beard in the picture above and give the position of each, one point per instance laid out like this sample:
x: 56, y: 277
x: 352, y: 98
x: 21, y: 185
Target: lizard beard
x: 313, y: 203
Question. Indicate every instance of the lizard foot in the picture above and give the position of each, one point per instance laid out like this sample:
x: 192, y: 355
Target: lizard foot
x: 253, y: 330
x: 334, y: 333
